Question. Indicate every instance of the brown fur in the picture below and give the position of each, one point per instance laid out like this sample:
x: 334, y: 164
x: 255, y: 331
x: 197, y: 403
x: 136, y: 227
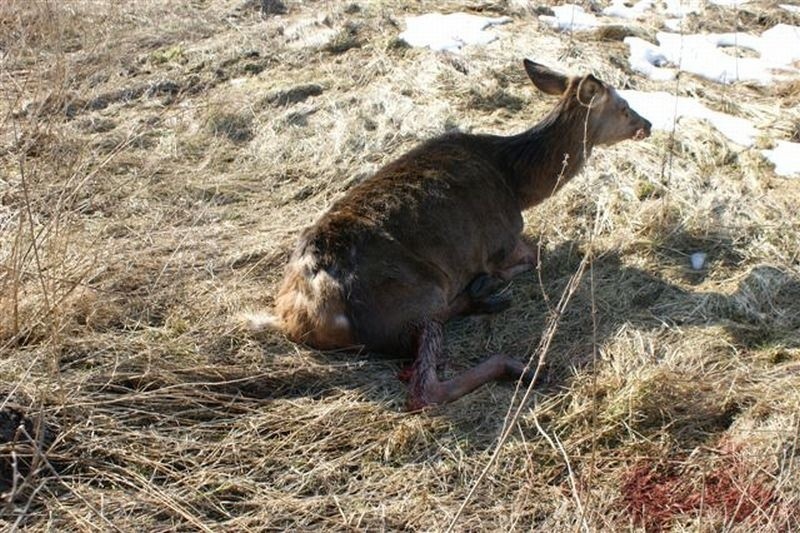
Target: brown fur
x: 394, y: 257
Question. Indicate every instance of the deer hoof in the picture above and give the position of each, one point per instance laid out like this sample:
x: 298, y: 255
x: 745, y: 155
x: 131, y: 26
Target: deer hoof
x: 484, y: 286
x: 493, y: 304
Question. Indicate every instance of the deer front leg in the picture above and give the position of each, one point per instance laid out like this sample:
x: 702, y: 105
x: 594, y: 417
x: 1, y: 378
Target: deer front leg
x: 521, y: 259
x: 483, y: 295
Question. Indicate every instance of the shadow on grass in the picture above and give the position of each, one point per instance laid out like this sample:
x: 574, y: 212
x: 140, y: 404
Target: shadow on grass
x: 763, y: 311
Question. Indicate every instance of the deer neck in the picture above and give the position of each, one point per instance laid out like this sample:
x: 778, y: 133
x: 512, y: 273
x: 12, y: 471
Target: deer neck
x: 544, y: 158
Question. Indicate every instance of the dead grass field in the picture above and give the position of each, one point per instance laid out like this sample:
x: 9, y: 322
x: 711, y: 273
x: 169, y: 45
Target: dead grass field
x: 157, y: 161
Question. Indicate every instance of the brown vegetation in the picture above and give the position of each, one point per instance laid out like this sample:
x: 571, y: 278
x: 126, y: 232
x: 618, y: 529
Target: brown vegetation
x: 158, y: 160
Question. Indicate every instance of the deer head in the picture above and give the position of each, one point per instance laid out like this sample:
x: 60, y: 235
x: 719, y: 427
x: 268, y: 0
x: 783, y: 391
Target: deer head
x: 607, y: 117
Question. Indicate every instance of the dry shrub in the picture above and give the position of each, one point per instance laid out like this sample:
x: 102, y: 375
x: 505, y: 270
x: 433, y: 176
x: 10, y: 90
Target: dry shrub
x: 41, y: 26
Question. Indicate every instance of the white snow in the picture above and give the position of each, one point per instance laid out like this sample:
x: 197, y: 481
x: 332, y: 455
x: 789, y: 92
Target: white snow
x: 786, y: 158
x: 703, y: 55
x: 449, y: 32
x: 620, y: 10
x: 673, y: 24
x: 698, y: 260
x: 663, y: 110
x: 729, y: 3
x: 648, y: 59
x: 790, y: 8
x: 681, y: 8
x: 570, y: 17
x: 678, y: 9
x: 781, y: 43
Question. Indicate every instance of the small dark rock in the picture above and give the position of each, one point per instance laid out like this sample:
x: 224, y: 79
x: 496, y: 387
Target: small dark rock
x: 272, y: 7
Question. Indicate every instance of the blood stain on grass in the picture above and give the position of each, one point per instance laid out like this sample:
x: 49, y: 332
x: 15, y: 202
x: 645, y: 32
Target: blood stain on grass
x: 655, y: 493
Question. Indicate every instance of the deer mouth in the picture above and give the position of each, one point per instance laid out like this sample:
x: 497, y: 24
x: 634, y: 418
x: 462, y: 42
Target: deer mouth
x: 641, y: 133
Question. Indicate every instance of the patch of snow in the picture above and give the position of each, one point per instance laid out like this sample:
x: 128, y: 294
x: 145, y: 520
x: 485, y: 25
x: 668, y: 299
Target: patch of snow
x: 618, y: 9
x: 678, y: 9
x: 781, y: 43
x: 790, y: 8
x: 673, y: 24
x: 786, y: 158
x: 682, y: 8
x: 449, y: 32
x: 698, y: 260
x: 570, y: 17
x: 742, y: 40
x: 702, y: 54
x: 729, y: 3
x: 663, y: 110
x: 647, y: 58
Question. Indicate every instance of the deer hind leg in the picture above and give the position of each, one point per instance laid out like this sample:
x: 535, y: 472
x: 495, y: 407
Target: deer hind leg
x: 426, y: 389
x: 521, y: 259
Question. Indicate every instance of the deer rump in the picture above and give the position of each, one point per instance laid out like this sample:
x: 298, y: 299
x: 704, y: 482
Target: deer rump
x: 435, y: 233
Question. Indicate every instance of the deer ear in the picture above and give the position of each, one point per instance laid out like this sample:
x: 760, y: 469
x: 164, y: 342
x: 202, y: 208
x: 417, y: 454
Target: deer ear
x: 590, y: 88
x: 546, y: 80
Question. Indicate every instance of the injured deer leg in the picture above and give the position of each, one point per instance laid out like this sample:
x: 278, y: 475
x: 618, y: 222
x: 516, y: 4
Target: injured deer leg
x: 425, y: 387
x: 521, y: 259
x: 483, y: 295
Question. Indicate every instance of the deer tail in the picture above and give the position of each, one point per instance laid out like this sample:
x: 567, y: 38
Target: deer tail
x: 260, y: 321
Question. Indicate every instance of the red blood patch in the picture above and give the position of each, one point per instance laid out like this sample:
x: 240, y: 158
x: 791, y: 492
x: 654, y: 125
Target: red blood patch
x: 654, y: 493
x: 405, y: 374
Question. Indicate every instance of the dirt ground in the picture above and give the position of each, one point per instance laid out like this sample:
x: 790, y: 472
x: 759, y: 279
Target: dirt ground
x: 158, y: 160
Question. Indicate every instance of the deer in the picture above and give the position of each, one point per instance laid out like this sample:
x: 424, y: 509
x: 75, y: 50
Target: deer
x: 437, y: 234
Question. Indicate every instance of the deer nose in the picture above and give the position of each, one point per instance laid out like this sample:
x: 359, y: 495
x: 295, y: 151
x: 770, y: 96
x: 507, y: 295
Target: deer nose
x: 644, y: 131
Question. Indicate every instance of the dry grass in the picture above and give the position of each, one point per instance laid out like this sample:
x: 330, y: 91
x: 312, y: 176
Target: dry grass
x: 157, y: 161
